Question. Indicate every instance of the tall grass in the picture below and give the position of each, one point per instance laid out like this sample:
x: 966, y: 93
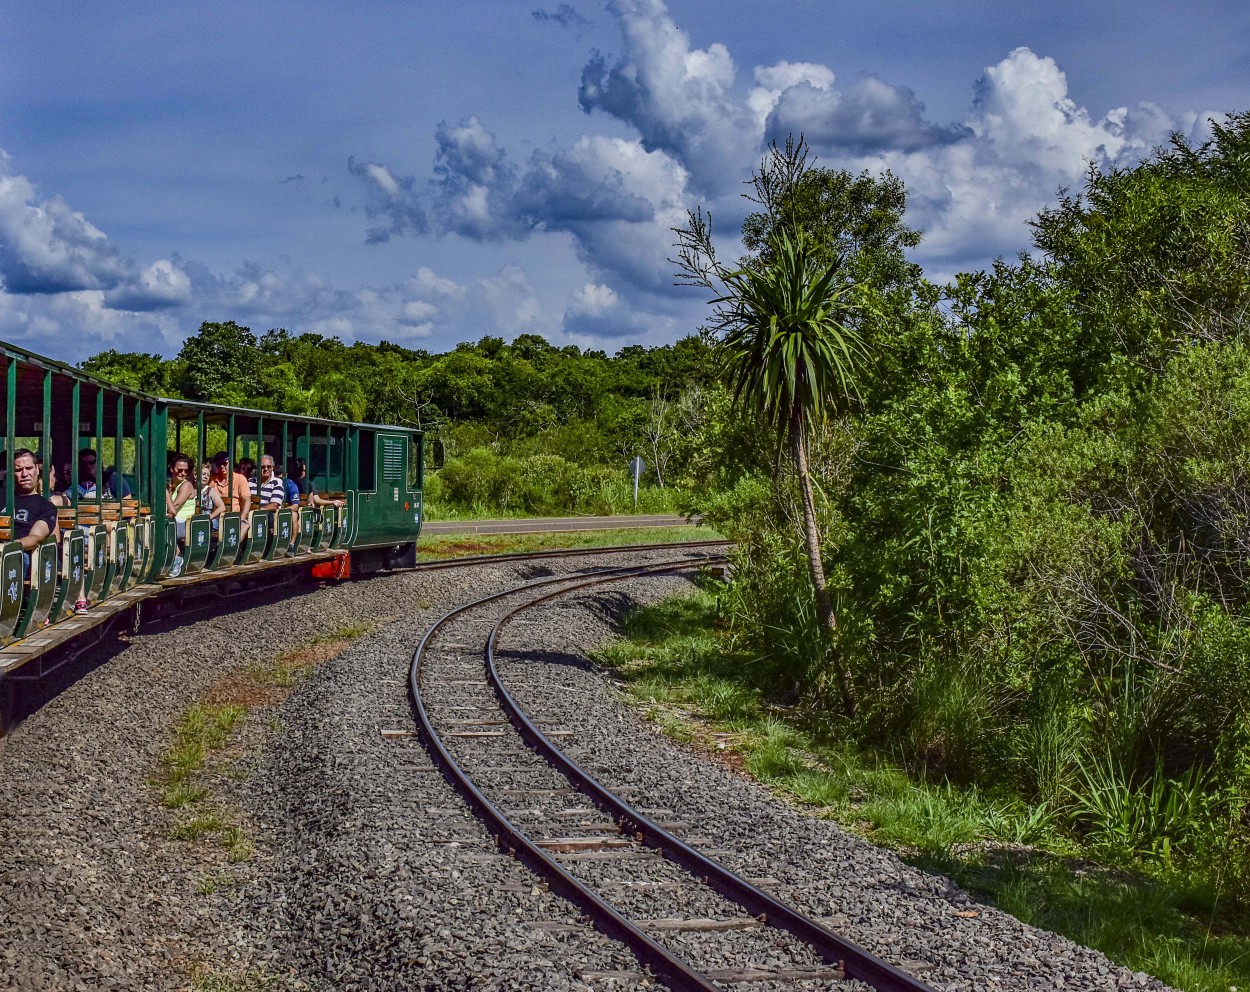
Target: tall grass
x: 482, y: 483
x: 1139, y: 862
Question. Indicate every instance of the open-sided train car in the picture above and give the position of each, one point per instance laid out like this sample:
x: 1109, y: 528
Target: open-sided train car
x: 115, y: 545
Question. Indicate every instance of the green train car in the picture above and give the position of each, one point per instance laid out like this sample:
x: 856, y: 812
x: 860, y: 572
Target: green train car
x: 105, y: 452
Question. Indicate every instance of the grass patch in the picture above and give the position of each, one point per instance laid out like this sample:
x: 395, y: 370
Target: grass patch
x: 202, y: 747
x: 237, y: 844
x: 203, y: 729
x: 265, y: 684
x: 181, y: 793
x: 1168, y: 927
x: 674, y: 665
x: 441, y: 546
x: 254, y: 981
x: 200, y: 825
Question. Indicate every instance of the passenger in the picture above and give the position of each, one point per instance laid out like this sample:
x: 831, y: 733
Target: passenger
x: 54, y: 494
x: 210, y: 499
x: 297, y: 473
x: 65, y: 480
x: 270, y: 490
x: 34, y: 517
x: 234, y: 491
x: 246, y: 468
x: 180, y: 504
x: 111, y: 478
x: 86, y: 472
x: 291, y: 492
x: 292, y: 487
x: 87, y: 478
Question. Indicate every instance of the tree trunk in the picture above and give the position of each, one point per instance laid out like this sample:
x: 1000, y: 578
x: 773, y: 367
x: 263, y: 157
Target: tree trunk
x: 811, y: 537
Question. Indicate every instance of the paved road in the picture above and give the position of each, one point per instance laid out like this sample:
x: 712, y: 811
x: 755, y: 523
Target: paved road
x: 549, y: 524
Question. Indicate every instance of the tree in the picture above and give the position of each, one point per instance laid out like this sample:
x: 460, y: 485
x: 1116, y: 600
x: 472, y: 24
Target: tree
x: 1157, y: 256
x: 220, y: 362
x: 785, y: 338
x: 339, y: 396
x: 856, y: 220
x: 133, y: 369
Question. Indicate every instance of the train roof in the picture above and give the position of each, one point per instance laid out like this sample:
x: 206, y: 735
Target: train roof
x: 192, y: 408
x: 51, y: 364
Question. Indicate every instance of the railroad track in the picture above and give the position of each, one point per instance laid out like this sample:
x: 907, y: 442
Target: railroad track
x: 619, y: 864
x: 435, y: 565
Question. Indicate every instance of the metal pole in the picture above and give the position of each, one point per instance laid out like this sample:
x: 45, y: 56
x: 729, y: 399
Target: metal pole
x: 119, y: 477
x: 99, y: 451
x: 74, y: 441
x: 45, y: 443
x: 200, y: 453
x: 10, y: 435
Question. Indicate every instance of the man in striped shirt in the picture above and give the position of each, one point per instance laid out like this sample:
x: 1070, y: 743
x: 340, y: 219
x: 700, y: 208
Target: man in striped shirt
x: 270, y: 489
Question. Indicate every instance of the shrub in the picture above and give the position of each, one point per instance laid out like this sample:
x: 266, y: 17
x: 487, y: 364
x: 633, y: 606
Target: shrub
x: 482, y: 482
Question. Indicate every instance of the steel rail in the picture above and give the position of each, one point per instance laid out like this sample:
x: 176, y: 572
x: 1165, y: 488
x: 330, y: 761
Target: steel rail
x: 662, y: 963
x: 856, y: 961
x: 429, y: 566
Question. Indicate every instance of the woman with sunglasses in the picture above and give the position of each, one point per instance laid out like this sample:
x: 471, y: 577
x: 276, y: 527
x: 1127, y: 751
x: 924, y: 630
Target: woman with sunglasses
x: 180, y: 504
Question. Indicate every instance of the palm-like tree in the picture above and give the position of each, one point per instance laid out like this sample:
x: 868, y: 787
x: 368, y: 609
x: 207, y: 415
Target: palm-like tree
x: 790, y: 353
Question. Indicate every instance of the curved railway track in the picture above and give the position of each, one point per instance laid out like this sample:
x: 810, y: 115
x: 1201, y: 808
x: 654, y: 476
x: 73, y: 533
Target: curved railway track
x: 373, y: 874
x: 605, y: 855
x: 429, y: 566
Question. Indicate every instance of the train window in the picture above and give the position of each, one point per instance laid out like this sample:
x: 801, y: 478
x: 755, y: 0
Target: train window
x: 334, y: 459
x: 325, y: 464
x: 394, y: 458
x: 316, y: 457
x: 367, y: 465
x: 414, y: 463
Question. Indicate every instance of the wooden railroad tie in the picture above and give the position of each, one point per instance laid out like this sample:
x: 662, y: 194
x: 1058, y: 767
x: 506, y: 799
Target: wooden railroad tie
x: 568, y: 845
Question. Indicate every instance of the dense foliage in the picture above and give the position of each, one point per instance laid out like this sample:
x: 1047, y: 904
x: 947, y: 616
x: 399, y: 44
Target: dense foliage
x: 1037, y: 518
x: 523, y: 401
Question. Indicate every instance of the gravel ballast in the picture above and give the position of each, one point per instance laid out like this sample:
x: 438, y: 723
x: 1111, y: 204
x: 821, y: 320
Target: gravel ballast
x: 367, y: 872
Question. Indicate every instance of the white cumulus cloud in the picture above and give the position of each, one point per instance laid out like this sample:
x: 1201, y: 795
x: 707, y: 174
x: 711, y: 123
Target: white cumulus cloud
x: 679, y: 98
x: 48, y: 247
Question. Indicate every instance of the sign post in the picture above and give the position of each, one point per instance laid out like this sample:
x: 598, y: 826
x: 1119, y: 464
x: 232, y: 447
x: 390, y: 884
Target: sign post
x: 636, y: 466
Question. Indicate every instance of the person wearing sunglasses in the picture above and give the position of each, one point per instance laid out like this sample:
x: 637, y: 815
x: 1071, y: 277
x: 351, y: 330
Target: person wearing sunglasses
x: 269, y: 489
x: 87, y: 475
x: 180, y: 504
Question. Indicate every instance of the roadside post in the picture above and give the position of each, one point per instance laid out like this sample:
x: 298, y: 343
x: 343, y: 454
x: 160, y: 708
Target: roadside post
x: 636, y: 466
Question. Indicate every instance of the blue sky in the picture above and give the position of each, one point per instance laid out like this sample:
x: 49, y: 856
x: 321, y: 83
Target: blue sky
x: 430, y: 173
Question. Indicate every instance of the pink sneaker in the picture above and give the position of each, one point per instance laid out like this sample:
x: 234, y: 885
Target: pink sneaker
x: 81, y: 606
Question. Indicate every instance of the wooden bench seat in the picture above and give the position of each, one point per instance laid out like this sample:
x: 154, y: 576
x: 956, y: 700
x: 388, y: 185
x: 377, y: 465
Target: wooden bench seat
x: 89, y: 514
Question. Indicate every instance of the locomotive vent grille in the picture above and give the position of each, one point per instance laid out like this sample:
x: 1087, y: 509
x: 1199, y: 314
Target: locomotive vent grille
x: 394, y: 459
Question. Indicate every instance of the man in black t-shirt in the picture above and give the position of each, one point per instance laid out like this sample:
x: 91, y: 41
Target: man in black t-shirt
x: 34, y: 518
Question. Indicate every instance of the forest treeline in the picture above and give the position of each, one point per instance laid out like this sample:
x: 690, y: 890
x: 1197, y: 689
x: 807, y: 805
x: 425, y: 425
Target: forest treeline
x: 578, y: 402
x: 516, y: 426
x: 1032, y: 493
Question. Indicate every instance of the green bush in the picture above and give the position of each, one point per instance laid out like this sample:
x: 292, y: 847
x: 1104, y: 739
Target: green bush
x: 483, y: 483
